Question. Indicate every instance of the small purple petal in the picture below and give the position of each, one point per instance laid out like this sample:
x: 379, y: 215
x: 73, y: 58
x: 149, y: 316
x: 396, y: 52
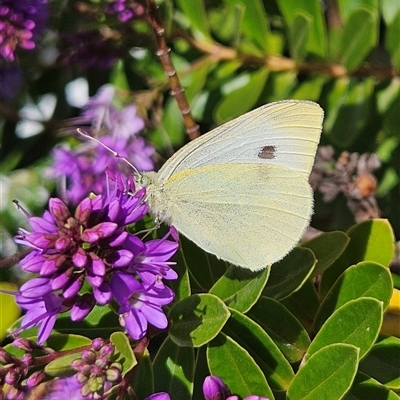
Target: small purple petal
x: 82, y: 307
x: 72, y: 288
x: 36, y: 287
x: 120, y: 258
x: 103, y: 294
x: 99, y: 231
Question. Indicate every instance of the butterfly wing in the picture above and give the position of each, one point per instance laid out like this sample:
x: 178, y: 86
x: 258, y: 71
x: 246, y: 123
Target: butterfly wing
x: 248, y: 214
x: 283, y: 133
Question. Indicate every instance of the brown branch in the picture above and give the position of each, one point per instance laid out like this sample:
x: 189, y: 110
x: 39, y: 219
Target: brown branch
x: 284, y: 64
x: 163, y: 52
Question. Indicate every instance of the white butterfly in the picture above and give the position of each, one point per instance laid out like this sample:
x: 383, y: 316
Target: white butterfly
x: 241, y: 191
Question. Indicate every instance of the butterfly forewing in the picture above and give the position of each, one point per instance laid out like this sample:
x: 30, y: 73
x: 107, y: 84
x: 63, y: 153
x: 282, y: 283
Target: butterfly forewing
x: 283, y: 133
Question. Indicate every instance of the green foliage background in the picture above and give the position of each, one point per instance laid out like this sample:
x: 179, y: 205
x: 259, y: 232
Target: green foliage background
x: 232, y: 56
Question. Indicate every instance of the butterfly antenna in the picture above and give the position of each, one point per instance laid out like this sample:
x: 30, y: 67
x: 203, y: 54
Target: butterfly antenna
x: 113, y: 152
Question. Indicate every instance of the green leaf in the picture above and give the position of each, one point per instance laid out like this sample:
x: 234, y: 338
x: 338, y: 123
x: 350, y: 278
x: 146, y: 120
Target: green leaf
x: 174, y: 370
x: 328, y: 374
x: 61, y: 366
x: 195, y: 11
x: 383, y: 363
x: 350, y: 113
x: 310, y: 89
x: 241, y: 94
x: 234, y: 365
x: 316, y: 42
x: 371, y: 240
x: 195, y: 81
x: 390, y: 9
x: 304, y: 304
x: 299, y: 31
x: 282, y: 326
x: 8, y: 303
x: 197, y: 319
x: 180, y: 286
x: 143, y: 378
x: 327, y: 247
x: 347, y: 7
x: 62, y: 342
x: 392, y: 41
x: 357, y: 323
x: 365, y: 387
x: 261, y: 347
x: 201, y: 372
x: 358, y: 37
x: 289, y: 274
x: 204, y: 268
x: 122, y: 346
x: 366, y: 279
x: 118, y: 76
x: 255, y: 25
x: 240, y: 288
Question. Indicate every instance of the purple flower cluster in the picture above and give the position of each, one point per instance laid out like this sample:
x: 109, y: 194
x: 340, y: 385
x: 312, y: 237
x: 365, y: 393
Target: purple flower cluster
x: 92, y: 247
x: 125, y: 10
x: 83, y: 167
x: 15, y: 373
x: 20, y: 22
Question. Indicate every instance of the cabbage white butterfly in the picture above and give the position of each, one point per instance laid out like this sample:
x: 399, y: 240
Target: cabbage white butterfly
x: 241, y: 191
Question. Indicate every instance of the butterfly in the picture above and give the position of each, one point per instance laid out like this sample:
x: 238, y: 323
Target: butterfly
x: 241, y: 191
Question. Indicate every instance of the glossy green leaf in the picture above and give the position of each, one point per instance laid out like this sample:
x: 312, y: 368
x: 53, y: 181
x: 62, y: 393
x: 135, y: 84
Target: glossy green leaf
x: 196, y: 13
x: 365, y: 387
x: 194, y: 82
x: 383, y: 362
x: 8, y: 303
x: 172, y: 127
x: 327, y: 247
x: 204, y: 268
x: 371, y: 240
x: 389, y: 9
x: 358, y: 37
x: 124, y: 350
x: 317, y: 37
x: 201, y: 372
x: 62, y: 342
x: 392, y: 120
x: 282, y: 326
x: 262, y: 348
x: 240, y: 288
x: 354, y: 105
x: 241, y: 95
x: 366, y: 279
x: 304, y: 304
x: 197, y: 319
x: 357, y: 323
x: 347, y: 7
x: 392, y: 41
x: 327, y: 374
x: 181, y: 285
x: 174, y: 370
x: 289, y: 274
x: 299, y: 31
x: 75, y: 344
x: 280, y: 86
x: 254, y: 23
x: 234, y: 365
x: 118, y: 76
x: 143, y: 378
x: 310, y: 89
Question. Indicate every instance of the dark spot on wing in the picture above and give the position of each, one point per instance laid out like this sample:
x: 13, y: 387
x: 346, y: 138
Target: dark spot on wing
x: 267, y: 152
